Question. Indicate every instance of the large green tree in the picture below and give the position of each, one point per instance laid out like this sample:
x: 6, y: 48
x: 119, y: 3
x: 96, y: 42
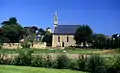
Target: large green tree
x: 11, y: 21
x: 83, y: 34
x: 11, y: 30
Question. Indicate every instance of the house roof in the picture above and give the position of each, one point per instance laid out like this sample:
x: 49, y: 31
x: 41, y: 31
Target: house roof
x: 65, y: 29
x: 116, y: 36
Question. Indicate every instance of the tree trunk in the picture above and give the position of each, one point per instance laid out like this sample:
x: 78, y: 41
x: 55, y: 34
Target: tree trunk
x: 84, y: 44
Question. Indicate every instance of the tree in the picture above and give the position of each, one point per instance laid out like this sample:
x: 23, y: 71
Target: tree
x: 47, y: 38
x: 11, y: 30
x: 33, y: 29
x: 30, y: 33
x: 99, y: 40
x: 116, y: 39
x: 83, y: 34
x: 5, y: 23
x: 13, y: 20
x: 41, y: 31
x: 102, y: 41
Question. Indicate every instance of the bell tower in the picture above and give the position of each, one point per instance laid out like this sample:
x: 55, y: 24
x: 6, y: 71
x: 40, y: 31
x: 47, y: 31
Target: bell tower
x: 55, y: 19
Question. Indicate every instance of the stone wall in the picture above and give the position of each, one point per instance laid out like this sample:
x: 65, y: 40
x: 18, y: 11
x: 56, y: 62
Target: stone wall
x: 18, y: 45
x: 11, y: 45
x: 38, y: 45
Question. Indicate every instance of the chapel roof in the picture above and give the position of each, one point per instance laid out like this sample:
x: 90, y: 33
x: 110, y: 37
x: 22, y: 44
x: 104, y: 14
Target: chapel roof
x: 65, y: 29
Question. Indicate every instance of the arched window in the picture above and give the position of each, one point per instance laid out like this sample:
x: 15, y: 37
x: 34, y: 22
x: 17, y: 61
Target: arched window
x: 67, y: 39
x: 58, y: 38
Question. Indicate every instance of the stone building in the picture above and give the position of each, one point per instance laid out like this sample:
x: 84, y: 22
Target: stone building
x: 63, y: 35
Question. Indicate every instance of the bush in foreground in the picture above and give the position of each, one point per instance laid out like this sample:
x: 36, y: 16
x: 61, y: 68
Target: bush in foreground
x: 117, y: 64
x: 81, y: 62
x: 96, y: 64
x: 48, y: 62
x: 37, y: 61
x: 24, y: 58
x: 73, y: 65
x: 62, y: 62
x: 93, y: 64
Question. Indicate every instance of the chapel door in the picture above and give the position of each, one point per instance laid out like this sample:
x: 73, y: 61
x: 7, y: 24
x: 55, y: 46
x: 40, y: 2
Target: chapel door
x: 62, y: 44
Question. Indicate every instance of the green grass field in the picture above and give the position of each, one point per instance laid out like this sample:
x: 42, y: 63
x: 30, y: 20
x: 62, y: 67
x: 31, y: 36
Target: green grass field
x: 24, y: 69
x: 70, y: 51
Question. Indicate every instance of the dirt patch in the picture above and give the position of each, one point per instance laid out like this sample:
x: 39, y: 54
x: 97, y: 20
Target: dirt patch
x: 106, y: 51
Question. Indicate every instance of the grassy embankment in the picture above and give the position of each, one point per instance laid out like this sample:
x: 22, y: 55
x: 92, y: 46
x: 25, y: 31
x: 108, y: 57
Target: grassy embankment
x: 25, y: 69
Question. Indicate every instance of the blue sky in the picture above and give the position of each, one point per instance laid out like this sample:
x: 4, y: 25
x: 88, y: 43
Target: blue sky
x: 103, y: 16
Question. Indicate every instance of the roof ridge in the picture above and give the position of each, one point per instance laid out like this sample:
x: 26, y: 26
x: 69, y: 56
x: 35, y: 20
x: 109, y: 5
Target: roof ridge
x: 68, y: 25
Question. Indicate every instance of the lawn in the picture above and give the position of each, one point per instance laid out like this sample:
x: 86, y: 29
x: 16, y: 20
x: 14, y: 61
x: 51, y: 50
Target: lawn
x: 25, y: 69
x: 69, y: 51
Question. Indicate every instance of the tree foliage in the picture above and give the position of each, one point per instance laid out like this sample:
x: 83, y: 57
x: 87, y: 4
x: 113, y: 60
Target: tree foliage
x: 11, y: 31
x: 47, y: 38
x: 13, y: 20
x: 103, y: 41
x: 83, y: 34
x: 41, y: 31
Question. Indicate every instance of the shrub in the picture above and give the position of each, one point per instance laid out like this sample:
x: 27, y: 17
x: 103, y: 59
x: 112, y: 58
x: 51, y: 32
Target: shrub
x: 12, y: 61
x: 25, y: 44
x: 110, y: 69
x: 1, y: 44
x: 118, y: 50
x: 48, y: 63
x: 24, y: 58
x: 81, y: 63
x: 40, y: 61
x: 117, y: 63
x: 73, y: 65
x: 100, y: 69
x: 95, y: 62
x: 37, y: 61
x: 62, y: 61
x: 1, y: 60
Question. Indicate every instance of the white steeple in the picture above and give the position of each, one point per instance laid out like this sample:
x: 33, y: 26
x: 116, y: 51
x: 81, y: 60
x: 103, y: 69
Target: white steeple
x: 55, y: 19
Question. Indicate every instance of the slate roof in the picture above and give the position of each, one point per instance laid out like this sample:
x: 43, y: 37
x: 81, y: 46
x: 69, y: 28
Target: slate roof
x: 65, y: 29
x: 116, y: 36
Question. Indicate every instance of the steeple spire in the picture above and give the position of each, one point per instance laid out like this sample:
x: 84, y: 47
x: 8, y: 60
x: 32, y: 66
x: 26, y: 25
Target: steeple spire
x: 55, y: 19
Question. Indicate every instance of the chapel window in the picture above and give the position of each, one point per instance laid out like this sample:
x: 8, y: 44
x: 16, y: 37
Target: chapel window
x: 58, y: 38
x: 67, y: 39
